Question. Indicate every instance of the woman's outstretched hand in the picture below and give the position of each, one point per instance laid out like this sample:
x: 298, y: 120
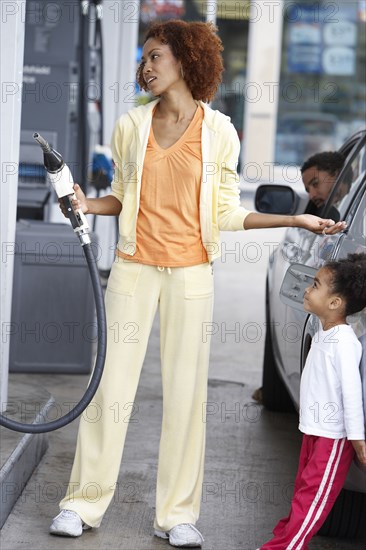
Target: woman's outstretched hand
x: 319, y: 225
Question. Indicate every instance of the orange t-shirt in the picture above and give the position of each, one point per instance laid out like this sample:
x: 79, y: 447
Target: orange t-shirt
x: 168, y: 224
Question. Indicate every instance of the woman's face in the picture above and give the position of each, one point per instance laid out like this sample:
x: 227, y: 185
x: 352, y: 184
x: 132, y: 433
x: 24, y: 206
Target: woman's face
x: 161, y: 70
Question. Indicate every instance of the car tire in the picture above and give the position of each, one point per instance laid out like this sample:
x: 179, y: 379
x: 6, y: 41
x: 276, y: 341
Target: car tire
x: 274, y: 393
x: 347, y: 517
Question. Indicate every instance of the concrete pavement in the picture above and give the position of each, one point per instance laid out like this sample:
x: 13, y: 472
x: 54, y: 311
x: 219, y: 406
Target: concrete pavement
x: 251, y: 455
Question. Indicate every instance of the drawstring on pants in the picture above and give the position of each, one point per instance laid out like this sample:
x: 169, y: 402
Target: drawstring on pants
x: 160, y: 268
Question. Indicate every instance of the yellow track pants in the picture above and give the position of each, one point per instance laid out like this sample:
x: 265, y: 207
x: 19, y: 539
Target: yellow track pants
x: 184, y: 297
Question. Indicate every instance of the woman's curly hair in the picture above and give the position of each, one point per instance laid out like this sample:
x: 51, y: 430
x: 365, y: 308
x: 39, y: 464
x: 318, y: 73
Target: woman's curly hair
x: 348, y: 279
x: 197, y: 46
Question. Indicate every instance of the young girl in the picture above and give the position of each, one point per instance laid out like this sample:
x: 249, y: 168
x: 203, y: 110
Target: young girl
x: 331, y: 409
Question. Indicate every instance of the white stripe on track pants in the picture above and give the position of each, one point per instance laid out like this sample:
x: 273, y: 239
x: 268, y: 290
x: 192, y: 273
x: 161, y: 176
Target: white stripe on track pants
x: 184, y: 297
x: 323, y: 467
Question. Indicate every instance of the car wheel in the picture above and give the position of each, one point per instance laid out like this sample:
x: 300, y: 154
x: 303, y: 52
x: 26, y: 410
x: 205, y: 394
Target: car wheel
x: 347, y: 517
x: 274, y: 394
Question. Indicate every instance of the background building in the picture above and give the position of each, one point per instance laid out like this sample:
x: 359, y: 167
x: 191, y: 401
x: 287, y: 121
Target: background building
x: 294, y: 80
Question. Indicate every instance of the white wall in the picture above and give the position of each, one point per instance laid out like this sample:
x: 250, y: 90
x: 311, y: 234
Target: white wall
x: 12, y: 48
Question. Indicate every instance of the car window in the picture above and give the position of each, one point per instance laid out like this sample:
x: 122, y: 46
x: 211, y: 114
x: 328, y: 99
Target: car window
x: 355, y: 238
x: 348, y: 182
x: 355, y: 241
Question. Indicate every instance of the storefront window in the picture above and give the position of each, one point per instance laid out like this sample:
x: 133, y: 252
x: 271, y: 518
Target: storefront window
x: 322, y: 91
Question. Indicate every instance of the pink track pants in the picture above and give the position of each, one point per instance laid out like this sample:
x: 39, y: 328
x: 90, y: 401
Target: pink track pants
x: 323, y: 467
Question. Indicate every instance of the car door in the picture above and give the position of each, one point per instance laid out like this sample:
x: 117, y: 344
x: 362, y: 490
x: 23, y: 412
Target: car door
x: 314, y: 250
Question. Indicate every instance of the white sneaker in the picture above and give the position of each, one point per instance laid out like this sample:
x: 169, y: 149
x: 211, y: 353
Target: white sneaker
x: 185, y: 535
x: 68, y: 524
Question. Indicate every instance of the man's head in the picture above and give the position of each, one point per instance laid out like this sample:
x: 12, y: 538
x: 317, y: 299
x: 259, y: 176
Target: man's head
x: 319, y: 173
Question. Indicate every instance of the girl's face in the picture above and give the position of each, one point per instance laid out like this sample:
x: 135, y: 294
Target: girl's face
x: 161, y: 70
x: 318, y: 296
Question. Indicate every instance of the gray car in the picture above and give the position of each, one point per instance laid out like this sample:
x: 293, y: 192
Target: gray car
x: 290, y: 329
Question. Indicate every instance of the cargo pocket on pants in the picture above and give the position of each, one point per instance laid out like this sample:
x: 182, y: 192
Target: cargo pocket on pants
x: 124, y: 277
x: 198, y: 282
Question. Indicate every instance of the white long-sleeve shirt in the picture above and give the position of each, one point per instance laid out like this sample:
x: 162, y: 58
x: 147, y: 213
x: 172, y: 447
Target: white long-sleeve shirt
x: 331, y: 390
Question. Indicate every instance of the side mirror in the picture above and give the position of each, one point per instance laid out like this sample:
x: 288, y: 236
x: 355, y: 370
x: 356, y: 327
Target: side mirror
x: 297, y: 278
x: 276, y: 199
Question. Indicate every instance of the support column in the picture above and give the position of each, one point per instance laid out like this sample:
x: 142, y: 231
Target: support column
x: 262, y: 86
x: 12, y: 49
x: 120, y: 31
x: 211, y: 11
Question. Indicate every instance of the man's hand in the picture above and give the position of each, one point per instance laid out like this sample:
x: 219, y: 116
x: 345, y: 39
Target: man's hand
x: 319, y: 225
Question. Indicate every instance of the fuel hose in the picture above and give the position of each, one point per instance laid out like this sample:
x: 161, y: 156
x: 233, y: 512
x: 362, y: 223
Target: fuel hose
x: 98, y: 368
x: 60, y: 177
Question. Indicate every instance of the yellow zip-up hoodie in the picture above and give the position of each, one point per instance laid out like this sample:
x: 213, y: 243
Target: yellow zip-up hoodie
x: 219, y: 195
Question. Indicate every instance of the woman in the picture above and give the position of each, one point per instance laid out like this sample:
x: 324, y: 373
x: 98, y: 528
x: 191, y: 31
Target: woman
x: 175, y: 187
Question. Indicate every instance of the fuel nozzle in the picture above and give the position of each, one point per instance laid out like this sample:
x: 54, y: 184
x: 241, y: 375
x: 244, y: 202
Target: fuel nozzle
x: 60, y: 177
x: 42, y: 142
x: 52, y: 160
